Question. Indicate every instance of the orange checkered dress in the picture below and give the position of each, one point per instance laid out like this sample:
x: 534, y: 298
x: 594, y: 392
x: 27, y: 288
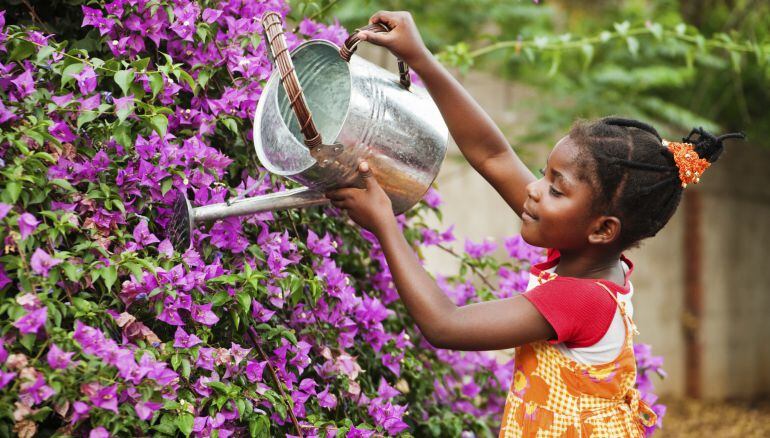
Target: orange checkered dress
x: 554, y: 396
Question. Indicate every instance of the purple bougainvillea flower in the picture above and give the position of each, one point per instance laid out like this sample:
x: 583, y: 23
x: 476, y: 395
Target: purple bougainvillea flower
x: 323, y: 247
x: 106, y: 398
x: 6, y: 378
x: 32, y: 321
x: 432, y: 198
x: 385, y: 391
x: 5, y: 113
x: 95, y: 17
x: 4, y: 208
x: 166, y: 248
x: 254, y: 370
x: 202, y: 313
x: 42, y: 262
x: 239, y: 353
x: 62, y: 132
x: 326, y: 399
x: 25, y: 84
x: 99, y: 432
x: 4, y: 279
x: 260, y: 312
x: 79, y: 410
x: 519, y: 249
x: 392, y: 363
x: 58, y: 359
x: 27, y: 224
x: 184, y: 340
x: 36, y: 391
x: 90, y: 103
x: 143, y: 236
x: 63, y: 100
x: 389, y: 416
x: 86, y: 80
x: 479, y: 250
x: 211, y: 15
x: 144, y: 410
x: 123, y: 103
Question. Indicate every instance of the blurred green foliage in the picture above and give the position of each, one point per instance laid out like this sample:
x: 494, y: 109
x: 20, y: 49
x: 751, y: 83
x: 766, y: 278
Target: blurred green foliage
x: 673, y: 63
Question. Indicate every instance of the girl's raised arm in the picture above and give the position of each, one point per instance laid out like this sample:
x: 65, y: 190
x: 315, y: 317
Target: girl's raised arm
x: 479, y: 139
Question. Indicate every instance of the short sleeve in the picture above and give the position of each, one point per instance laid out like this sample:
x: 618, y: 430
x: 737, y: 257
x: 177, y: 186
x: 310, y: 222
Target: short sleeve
x: 579, y: 310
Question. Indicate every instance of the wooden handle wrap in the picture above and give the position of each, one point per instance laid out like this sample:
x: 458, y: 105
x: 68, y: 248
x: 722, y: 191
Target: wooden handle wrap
x: 276, y: 42
x: 350, y: 45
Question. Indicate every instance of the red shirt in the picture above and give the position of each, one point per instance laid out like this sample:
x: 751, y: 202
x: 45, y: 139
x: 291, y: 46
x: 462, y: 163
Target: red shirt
x: 579, y: 310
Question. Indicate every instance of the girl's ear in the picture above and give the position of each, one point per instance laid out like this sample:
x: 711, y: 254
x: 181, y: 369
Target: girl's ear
x: 606, y: 230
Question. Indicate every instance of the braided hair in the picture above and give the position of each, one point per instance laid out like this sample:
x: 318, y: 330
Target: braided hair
x: 634, y: 175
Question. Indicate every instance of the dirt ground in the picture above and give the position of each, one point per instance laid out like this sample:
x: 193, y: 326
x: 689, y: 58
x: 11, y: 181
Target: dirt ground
x: 688, y: 418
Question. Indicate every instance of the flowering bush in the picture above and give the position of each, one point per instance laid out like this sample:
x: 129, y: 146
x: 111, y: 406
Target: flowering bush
x: 276, y: 322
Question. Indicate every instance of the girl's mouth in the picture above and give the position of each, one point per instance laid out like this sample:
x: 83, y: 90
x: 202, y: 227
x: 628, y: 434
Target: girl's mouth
x: 526, y: 215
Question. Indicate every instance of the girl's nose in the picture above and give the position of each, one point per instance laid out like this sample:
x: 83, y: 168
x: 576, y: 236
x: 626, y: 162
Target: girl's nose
x: 532, y: 191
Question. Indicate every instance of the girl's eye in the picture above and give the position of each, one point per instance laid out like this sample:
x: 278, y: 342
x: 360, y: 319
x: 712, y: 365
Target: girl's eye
x: 555, y: 192
x: 542, y: 171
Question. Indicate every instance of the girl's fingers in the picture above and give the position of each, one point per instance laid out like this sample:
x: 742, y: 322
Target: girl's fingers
x: 342, y: 205
x: 337, y: 195
x: 386, y: 17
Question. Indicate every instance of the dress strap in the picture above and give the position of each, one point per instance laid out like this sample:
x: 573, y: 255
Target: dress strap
x: 622, y: 306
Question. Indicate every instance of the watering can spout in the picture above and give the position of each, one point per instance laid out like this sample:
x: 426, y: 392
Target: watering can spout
x: 185, y: 217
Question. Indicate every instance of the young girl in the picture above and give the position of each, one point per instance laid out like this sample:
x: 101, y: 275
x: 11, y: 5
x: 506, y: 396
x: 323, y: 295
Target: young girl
x: 607, y: 185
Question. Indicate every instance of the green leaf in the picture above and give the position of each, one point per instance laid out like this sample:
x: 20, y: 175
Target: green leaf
x: 63, y: 183
x: 184, y: 76
x: 11, y: 192
x: 87, y: 116
x: 109, y: 275
x: 231, y: 124
x: 23, y: 50
x: 72, y: 69
x: 185, y: 423
x: 736, y: 58
x: 259, y: 426
x: 244, y: 299
x: 185, y: 368
x: 81, y: 304
x: 166, y: 185
x: 176, y: 361
x: 588, y: 54
x: 141, y: 64
x: 44, y: 53
x: 167, y: 425
x: 73, y: 272
x: 203, y: 78
x: 122, y: 133
x: 156, y: 83
x: 124, y: 79
x: 220, y: 298
x: 28, y: 341
x: 633, y: 46
x: 159, y: 123
x: 217, y: 386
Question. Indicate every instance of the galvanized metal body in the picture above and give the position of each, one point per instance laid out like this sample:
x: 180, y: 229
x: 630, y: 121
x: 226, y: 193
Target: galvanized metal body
x: 362, y: 112
x: 361, y: 107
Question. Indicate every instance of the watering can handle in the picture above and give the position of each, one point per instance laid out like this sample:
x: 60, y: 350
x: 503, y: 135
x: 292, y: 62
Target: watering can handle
x: 350, y: 45
x: 276, y: 42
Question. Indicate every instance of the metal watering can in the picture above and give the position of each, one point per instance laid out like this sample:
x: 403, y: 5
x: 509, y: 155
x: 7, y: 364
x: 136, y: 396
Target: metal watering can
x: 348, y: 110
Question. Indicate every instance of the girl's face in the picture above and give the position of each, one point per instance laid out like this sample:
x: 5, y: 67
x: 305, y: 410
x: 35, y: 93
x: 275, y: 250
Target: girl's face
x: 557, y: 211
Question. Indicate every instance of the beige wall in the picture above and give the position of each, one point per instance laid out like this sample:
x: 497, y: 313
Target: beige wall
x: 736, y: 230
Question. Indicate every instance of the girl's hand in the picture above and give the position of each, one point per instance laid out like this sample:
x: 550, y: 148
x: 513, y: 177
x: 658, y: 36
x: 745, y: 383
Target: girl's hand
x: 403, y: 39
x: 370, y: 207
